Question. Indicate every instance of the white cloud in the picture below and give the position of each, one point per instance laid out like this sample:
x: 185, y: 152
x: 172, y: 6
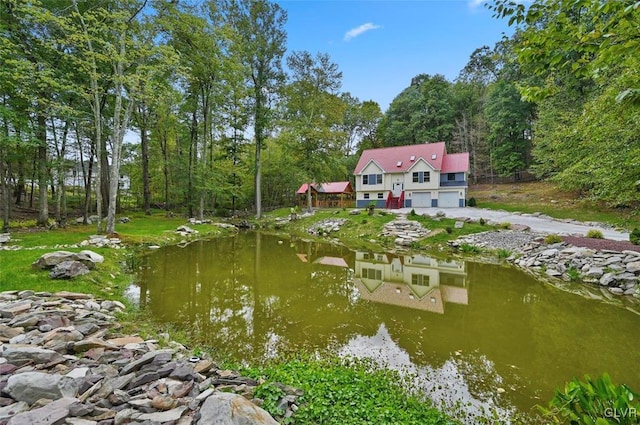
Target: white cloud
x: 353, y: 33
x: 474, y: 4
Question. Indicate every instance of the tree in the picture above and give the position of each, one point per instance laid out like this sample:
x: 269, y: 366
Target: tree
x: 313, y: 114
x: 261, y: 36
x: 422, y: 113
x: 509, y: 121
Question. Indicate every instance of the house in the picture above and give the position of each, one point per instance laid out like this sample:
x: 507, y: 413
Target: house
x: 327, y: 195
x: 413, y: 281
x: 416, y: 176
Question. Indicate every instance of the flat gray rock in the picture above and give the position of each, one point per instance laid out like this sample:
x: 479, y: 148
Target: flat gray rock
x: 53, y: 413
x: 32, y: 386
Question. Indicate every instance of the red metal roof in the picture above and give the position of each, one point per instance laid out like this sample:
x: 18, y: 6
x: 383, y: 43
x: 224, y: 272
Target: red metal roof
x: 332, y: 187
x: 455, y: 163
x: 397, y: 159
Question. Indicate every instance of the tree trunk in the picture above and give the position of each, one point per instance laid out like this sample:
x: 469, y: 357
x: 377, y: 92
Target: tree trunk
x: 146, y: 190
x: 43, y: 201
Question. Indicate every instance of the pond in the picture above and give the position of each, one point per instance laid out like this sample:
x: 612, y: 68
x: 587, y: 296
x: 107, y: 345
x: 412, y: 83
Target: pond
x: 478, y: 336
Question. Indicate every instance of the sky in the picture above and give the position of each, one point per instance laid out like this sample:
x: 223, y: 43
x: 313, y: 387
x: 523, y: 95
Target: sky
x: 380, y: 45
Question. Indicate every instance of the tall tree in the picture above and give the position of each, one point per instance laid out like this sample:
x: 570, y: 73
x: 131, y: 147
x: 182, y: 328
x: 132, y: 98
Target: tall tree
x: 313, y: 115
x: 260, y: 28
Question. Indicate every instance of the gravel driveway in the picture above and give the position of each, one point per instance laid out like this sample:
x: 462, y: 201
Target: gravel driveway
x: 537, y: 222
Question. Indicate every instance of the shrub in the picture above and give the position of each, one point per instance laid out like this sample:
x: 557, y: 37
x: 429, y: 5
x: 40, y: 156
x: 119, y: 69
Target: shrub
x: 506, y: 225
x: 553, y: 238
x: 412, y: 213
x: 448, y: 229
x: 471, y: 202
x: 594, y: 234
x: 597, y: 401
x: 634, y: 236
x: 482, y: 221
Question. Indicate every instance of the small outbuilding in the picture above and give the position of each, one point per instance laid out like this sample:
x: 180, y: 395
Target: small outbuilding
x: 327, y: 195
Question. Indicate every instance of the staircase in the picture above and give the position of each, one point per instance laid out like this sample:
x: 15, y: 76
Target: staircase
x: 394, y: 202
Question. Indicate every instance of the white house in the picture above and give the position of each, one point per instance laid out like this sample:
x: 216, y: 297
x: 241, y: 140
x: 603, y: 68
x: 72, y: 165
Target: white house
x: 415, y: 176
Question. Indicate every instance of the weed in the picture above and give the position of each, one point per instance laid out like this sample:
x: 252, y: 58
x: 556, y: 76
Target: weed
x: 573, y: 274
x: 593, y: 401
x: 504, y: 253
x: 551, y: 239
x: 412, y: 213
x: 470, y: 249
x: 595, y: 234
x: 506, y: 225
x: 634, y: 236
x: 270, y: 394
x: 448, y: 229
x: 471, y: 202
x: 482, y: 221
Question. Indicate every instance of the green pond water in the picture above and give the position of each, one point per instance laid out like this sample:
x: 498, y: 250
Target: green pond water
x: 466, y: 330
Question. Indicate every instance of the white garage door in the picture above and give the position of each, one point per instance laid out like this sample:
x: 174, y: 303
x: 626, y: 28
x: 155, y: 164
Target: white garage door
x: 421, y: 199
x: 448, y: 199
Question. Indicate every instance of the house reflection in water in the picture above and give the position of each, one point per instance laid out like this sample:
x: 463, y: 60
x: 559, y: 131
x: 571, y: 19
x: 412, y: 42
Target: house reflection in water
x: 413, y: 281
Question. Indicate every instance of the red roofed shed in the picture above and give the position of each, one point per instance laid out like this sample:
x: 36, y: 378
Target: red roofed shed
x: 327, y: 195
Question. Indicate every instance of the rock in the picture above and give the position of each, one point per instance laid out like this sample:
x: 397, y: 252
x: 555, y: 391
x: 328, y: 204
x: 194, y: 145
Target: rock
x: 32, y: 386
x: 594, y: 272
x: 90, y: 343
x: 458, y: 224
x: 633, y: 267
x: 8, y: 332
x: 145, y: 359
x: 90, y: 258
x: 53, y: 413
x: 13, y: 409
x: 4, y: 237
x: 607, y: 279
x: 12, y: 310
x: 164, y: 402
x: 72, y: 295
x: 21, y: 355
x: 51, y: 259
x: 68, y: 270
x: 231, y: 409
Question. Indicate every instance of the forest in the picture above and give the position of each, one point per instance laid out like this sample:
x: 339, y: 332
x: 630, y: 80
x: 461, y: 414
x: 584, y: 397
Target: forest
x: 226, y: 120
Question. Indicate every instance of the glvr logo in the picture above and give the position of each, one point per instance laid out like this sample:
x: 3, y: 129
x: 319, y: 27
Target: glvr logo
x: 629, y: 412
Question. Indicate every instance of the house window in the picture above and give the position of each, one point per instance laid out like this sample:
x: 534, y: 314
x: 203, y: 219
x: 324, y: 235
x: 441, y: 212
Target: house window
x: 451, y: 177
x: 366, y: 196
x: 372, y: 179
x: 421, y: 177
x: 420, y: 280
x: 372, y: 274
x: 380, y: 196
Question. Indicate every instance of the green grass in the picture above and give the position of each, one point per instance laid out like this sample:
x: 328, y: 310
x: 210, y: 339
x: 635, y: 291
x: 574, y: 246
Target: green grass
x: 446, y: 224
x: 345, y: 391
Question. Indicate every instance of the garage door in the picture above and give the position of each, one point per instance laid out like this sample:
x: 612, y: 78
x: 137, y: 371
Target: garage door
x: 421, y: 199
x: 448, y: 199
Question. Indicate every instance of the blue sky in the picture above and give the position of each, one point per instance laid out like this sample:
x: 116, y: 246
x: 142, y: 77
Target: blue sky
x: 380, y: 45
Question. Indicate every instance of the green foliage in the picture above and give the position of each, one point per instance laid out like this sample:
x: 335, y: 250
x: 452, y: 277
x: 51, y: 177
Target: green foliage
x: 634, y: 236
x: 271, y: 395
x: 594, y: 234
x: 505, y: 225
x: 594, y: 402
x: 482, y: 221
x: 448, y: 229
x: 573, y: 274
x: 504, y: 253
x: 421, y: 113
x: 470, y: 249
x: 471, y: 202
x: 348, y: 391
x: 552, y: 238
x: 412, y: 213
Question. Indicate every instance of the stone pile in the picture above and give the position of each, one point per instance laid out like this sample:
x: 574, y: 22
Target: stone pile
x: 619, y: 272
x: 62, y: 361
x: 4, y: 238
x: 67, y: 265
x: 512, y: 240
x: 102, y: 241
x: 327, y: 226
x: 403, y: 231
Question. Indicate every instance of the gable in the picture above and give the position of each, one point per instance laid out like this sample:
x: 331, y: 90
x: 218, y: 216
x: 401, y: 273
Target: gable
x: 399, y: 159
